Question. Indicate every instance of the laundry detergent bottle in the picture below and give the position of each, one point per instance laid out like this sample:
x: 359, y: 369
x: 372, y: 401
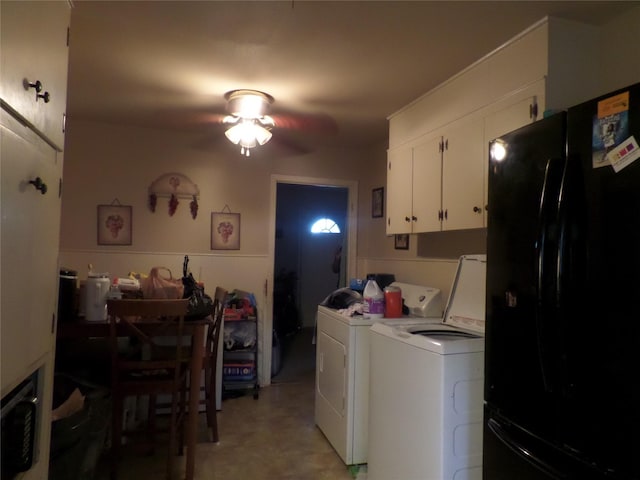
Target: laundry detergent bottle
x: 373, y: 300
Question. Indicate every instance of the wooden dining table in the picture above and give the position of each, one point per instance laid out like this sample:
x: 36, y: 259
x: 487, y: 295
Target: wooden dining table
x: 79, y: 328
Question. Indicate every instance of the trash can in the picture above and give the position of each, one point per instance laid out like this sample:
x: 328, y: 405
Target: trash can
x: 78, y: 439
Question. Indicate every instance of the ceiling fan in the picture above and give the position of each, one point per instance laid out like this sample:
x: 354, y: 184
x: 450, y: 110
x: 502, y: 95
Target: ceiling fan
x: 287, y: 131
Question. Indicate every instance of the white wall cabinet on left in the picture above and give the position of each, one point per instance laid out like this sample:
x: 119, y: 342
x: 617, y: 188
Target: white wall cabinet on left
x: 34, y: 39
x: 34, y: 47
x: 437, y: 183
x: 413, y: 187
x: 411, y: 204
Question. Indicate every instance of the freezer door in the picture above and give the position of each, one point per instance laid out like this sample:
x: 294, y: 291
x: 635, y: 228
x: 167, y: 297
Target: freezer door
x: 510, y: 452
x: 520, y: 380
x: 599, y: 287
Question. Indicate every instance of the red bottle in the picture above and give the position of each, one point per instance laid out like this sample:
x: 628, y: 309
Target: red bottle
x: 392, y: 302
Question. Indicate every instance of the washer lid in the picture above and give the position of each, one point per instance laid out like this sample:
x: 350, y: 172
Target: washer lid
x: 466, y: 306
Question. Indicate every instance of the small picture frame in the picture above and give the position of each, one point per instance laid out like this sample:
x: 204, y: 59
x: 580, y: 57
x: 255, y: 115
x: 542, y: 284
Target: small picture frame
x: 401, y: 241
x: 114, y: 224
x: 377, y: 202
x: 225, y: 231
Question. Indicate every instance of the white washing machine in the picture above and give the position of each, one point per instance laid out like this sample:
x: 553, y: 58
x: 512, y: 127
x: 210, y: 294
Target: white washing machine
x: 426, y: 389
x: 342, y: 369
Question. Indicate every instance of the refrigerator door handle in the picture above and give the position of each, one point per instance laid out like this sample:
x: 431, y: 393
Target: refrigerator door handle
x: 571, y: 271
x: 546, y: 260
x: 523, y: 452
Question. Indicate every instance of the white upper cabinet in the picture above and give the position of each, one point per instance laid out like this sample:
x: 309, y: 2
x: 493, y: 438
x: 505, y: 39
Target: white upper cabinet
x: 33, y: 74
x: 545, y: 68
x: 427, y: 185
x: 517, y: 110
x: 399, y: 175
x: 462, y: 176
x: 438, y: 183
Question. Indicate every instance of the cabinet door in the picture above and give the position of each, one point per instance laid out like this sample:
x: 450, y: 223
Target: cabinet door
x: 29, y: 252
x: 399, y: 174
x: 508, y: 115
x: 427, y: 186
x: 463, y: 167
x: 34, y: 48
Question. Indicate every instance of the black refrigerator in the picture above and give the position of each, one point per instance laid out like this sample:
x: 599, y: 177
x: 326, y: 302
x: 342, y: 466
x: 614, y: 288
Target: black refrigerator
x: 562, y: 359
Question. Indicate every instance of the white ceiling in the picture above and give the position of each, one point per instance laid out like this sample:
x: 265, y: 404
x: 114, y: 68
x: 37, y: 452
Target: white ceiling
x: 337, y: 70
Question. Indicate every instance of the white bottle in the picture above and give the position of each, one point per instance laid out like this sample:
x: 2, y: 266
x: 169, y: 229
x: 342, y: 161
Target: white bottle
x: 373, y: 300
x: 96, y: 290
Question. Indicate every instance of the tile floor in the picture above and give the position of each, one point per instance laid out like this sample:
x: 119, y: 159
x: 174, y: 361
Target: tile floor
x: 271, y: 438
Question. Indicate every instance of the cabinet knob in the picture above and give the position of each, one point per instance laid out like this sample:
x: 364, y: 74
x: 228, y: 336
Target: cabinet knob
x: 37, y: 85
x: 477, y: 209
x: 39, y: 185
x: 407, y: 219
x: 45, y: 96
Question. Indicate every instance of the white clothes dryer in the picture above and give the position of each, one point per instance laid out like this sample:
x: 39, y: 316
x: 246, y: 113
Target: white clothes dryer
x: 426, y: 389
x: 342, y: 369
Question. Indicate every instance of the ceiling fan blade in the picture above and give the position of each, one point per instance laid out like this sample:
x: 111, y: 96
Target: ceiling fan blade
x: 311, y: 123
x: 284, y: 146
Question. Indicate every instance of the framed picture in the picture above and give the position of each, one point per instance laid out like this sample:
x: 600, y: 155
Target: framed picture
x: 401, y: 241
x: 377, y: 202
x: 225, y: 231
x: 114, y: 224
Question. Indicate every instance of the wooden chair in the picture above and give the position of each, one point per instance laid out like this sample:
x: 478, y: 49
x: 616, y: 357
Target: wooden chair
x: 146, y: 367
x: 210, y: 359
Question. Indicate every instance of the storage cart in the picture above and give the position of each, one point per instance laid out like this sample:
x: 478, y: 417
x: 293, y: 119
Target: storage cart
x: 240, y: 357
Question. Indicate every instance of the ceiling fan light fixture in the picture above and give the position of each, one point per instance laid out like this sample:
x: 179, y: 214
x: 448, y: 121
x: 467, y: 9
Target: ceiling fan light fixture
x: 252, y: 126
x: 248, y: 134
x: 262, y: 134
x: 248, y: 103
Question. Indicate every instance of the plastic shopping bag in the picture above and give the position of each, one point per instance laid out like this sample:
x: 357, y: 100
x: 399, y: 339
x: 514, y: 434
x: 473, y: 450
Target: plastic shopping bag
x: 161, y: 286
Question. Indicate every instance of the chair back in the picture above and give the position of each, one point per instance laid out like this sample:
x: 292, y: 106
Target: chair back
x: 145, y: 322
x: 213, y: 334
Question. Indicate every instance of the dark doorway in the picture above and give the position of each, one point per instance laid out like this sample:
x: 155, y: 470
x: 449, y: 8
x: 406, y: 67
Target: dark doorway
x: 307, y: 267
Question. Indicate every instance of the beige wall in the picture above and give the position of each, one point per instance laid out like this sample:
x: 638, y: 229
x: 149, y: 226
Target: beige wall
x: 105, y: 162
x: 619, y: 54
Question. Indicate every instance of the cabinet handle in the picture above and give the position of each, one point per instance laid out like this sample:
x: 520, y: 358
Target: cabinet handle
x: 39, y: 185
x: 533, y: 110
x: 477, y: 209
x: 414, y: 218
x: 45, y: 96
x: 446, y: 214
x: 37, y: 85
x: 407, y: 219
